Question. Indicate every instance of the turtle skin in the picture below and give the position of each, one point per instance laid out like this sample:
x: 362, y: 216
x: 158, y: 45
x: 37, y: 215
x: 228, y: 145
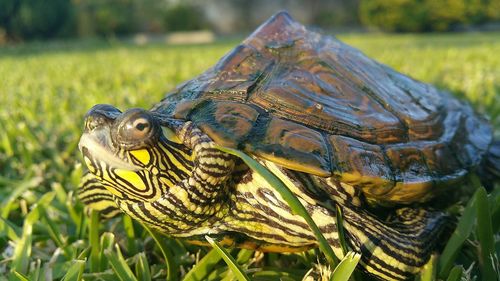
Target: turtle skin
x: 313, y: 104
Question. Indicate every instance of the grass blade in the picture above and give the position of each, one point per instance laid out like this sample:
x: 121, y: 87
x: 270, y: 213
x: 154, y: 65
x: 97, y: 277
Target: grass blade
x: 485, y: 236
x: 235, y: 268
x: 20, y: 276
x: 107, y: 242
x: 75, y: 272
x: 119, y: 265
x: 462, y: 231
x: 35, y: 272
x: 278, y: 274
x: 61, y: 194
x: 94, y: 241
x: 290, y: 198
x: 21, y: 187
x: 54, y: 233
x: 78, y: 217
x: 22, y: 250
x: 495, y: 219
x: 346, y: 267
x: 203, y: 267
x: 172, y: 270
x: 142, y: 268
x: 340, y: 228
x: 455, y: 274
x: 128, y: 225
x: 244, y: 255
x: 13, y: 231
x: 494, y: 199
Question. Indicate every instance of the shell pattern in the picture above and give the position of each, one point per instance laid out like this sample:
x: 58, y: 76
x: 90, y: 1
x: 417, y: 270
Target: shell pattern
x: 314, y: 104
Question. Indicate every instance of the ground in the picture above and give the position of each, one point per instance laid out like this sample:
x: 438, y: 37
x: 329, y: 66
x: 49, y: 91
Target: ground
x: 46, y: 88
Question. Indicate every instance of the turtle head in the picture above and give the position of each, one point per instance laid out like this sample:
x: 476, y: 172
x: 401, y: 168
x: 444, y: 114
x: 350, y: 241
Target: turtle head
x: 106, y: 127
x: 130, y: 153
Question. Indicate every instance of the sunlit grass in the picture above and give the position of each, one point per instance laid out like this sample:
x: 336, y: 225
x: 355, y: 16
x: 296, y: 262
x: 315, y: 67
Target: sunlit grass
x: 46, y: 88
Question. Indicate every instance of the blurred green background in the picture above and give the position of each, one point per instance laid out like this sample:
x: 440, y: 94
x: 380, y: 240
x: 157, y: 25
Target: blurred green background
x: 22, y: 20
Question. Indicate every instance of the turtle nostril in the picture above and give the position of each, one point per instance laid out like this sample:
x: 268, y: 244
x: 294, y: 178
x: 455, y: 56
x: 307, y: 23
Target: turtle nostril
x: 93, y: 122
x: 99, y: 115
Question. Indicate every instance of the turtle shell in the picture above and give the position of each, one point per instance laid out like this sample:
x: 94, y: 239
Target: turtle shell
x: 314, y: 104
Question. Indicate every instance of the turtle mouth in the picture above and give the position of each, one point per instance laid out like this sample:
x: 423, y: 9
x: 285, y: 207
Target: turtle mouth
x: 96, y: 146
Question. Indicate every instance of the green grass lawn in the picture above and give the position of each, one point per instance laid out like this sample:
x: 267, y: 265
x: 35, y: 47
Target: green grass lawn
x: 45, y: 90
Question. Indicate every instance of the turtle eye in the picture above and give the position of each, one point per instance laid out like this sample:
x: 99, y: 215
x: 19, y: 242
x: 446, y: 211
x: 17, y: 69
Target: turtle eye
x: 134, y: 128
x: 138, y: 129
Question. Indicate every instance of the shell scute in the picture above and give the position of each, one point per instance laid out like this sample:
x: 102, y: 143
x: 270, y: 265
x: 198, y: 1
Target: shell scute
x: 228, y: 123
x: 292, y: 144
x: 361, y: 163
x: 441, y: 160
x: 408, y: 163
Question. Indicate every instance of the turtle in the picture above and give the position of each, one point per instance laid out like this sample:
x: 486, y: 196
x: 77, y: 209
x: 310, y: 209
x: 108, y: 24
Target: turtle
x: 340, y: 130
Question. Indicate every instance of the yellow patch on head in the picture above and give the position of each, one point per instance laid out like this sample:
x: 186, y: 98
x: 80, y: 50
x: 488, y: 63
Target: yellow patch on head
x: 142, y: 155
x: 131, y: 177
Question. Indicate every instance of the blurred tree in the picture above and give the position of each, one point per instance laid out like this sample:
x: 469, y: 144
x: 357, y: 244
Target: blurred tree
x: 474, y: 11
x: 333, y: 13
x: 106, y: 17
x: 229, y: 16
x: 493, y: 10
x: 8, y: 8
x: 427, y: 15
x: 183, y: 16
x: 114, y: 17
x: 442, y: 15
x: 40, y: 19
x: 393, y: 15
x: 150, y: 15
x: 36, y: 19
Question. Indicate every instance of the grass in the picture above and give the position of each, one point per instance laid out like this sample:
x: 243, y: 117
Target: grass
x: 46, y: 88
